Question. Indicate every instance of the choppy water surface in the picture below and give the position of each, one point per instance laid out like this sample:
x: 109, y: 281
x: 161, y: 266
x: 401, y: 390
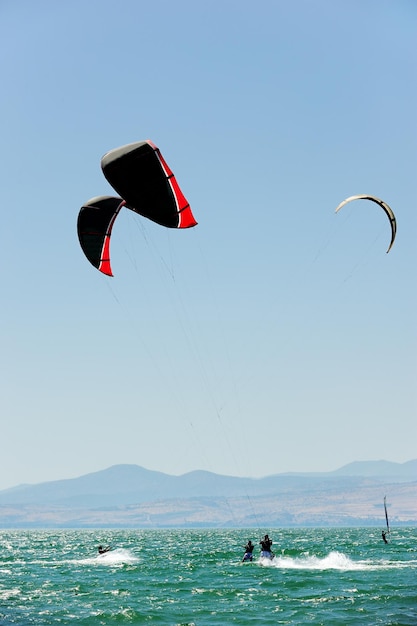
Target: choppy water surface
x: 196, y: 577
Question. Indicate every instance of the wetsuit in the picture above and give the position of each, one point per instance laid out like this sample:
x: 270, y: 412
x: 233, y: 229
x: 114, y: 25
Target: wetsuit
x: 248, y: 552
x: 266, y: 544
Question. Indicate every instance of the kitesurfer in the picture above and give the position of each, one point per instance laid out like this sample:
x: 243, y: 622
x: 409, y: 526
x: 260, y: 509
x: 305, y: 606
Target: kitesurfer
x: 102, y: 550
x: 384, y: 536
x: 248, y: 551
x: 266, y: 544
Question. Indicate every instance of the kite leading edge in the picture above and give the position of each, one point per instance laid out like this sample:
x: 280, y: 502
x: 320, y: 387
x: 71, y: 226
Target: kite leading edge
x: 382, y: 204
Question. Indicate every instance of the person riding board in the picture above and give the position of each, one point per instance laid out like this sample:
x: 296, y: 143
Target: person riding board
x: 248, y: 551
x: 384, y: 536
x: 102, y: 550
x: 266, y: 544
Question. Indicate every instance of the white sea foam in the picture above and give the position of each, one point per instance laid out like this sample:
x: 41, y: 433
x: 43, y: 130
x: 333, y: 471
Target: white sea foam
x: 119, y: 556
x: 334, y: 560
x: 6, y: 594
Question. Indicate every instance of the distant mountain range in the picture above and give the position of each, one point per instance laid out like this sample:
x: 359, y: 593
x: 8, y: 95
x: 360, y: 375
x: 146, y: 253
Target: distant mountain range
x: 130, y: 495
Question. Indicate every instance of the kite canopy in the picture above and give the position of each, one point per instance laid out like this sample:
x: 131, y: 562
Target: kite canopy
x: 382, y: 204
x: 94, y: 226
x: 140, y: 175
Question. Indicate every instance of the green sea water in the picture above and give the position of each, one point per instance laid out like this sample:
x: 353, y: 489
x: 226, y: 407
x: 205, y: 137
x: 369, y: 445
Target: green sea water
x: 196, y: 577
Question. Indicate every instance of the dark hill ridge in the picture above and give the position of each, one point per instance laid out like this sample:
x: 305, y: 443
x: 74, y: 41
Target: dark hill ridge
x: 401, y: 471
x: 126, y: 495
x: 130, y: 484
x: 126, y: 484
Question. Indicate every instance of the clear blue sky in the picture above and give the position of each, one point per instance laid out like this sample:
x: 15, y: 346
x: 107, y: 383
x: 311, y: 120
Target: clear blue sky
x: 276, y: 335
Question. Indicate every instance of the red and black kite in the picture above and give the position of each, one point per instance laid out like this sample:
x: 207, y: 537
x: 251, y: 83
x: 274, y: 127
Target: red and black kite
x: 140, y: 175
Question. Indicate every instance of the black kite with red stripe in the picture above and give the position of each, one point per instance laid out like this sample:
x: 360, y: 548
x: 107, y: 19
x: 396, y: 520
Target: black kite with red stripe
x: 140, y: 175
